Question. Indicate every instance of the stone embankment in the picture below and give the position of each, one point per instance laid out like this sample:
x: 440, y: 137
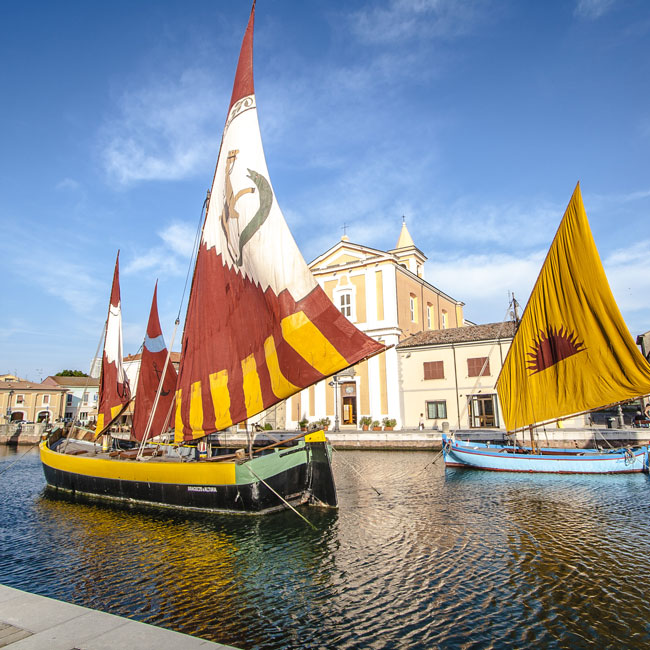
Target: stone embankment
x: 408, y: 439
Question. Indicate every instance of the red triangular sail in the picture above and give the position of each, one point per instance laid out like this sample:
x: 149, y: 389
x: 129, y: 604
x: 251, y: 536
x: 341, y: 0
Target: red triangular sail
x: 152, y: 364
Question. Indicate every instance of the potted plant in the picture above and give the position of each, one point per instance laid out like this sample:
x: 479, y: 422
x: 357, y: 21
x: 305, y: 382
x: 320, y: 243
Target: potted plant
x: 389, y: 423
x: 325, y: 423
x: 303, y: 424
x: 375, y: 425
x: 365, y: 422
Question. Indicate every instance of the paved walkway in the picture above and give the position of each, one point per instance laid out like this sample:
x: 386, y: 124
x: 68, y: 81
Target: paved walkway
x: 30, y: 622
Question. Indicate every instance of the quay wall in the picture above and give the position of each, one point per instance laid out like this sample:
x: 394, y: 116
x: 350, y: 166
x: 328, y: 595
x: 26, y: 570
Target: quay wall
x: 413, y: 439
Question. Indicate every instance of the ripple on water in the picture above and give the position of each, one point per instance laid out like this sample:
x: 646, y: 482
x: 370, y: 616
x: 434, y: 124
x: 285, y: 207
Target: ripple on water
x: 440, y: 558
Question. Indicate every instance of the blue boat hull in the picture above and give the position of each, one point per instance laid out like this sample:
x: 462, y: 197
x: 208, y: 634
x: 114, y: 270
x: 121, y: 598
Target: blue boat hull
x: 501, y: 458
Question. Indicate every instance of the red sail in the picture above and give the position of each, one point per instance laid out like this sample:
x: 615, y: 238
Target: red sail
x: 114, y: 392
x: 259, y: 328
x: 152, y: 363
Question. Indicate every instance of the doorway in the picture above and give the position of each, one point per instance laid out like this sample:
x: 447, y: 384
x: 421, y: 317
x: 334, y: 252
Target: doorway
x: 483, y: 411
x: 349, y: 403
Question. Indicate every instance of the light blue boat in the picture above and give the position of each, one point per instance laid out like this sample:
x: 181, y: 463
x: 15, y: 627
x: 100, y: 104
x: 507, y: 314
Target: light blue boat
x: 572, y: 353
x: 506, y: 458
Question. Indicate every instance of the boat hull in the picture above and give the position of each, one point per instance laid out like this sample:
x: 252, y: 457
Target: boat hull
x: 500, y: 458
x: 299, y: 474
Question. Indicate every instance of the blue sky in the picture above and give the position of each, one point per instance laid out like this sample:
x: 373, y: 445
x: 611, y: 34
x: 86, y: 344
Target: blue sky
x: 473, y: 119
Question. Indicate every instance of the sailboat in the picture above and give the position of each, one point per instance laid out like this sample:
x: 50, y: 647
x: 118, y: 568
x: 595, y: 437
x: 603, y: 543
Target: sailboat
x: 258, y: 329
x: 572, y: 353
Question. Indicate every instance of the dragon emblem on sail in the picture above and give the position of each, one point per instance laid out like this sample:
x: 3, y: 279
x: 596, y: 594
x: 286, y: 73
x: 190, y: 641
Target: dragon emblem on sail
x: 236, y: 237
x: 552, y: 346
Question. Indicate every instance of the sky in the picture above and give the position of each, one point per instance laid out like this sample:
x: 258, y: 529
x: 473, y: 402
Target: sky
x: 472, y: 119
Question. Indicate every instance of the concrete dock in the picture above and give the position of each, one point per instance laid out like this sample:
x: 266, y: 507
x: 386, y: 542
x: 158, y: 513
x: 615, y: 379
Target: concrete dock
x: 30, y: 622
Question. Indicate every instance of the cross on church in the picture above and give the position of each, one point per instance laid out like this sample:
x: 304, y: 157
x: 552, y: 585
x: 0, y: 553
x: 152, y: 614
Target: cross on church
x: 345, y: 228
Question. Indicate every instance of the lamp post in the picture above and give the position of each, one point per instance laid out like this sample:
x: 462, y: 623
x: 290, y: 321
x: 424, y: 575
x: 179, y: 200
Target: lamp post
x: 8, y: 416
x: 335, y: 384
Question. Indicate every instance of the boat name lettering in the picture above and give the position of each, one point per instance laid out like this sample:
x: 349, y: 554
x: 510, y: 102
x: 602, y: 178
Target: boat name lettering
x: 201, y: 488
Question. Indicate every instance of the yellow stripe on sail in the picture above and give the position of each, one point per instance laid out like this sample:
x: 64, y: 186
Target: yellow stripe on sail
x: 311, y: 344
x: 100, y: 422
x: 280, y: 385
x: 220, y: 399
x: 252, y: 386
x: 178, y: 420
x: 196, y: 411
x: 115, y: 410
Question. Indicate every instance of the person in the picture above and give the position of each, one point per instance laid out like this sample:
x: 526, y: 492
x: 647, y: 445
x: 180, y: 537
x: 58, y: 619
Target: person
x: 638, y: 417
x: 647, y: 411
x: 421, y: 424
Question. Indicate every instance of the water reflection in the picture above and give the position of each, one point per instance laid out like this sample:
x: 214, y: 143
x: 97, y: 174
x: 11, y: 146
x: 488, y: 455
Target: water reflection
x: 440, y: 558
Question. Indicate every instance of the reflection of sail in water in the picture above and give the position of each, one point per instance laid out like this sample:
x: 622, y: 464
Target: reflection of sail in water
x: 199, y: 571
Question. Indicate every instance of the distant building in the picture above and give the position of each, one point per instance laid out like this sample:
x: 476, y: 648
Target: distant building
x: 26, y: 401
x: 81, y: 397
x: 643, y: 341
x: 450, y: 376
x: 385, y: 295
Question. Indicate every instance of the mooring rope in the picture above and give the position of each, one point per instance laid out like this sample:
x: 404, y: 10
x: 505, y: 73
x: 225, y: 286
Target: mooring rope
x: 261, y: 480
x: 354, y: 469
x: 6, y: 469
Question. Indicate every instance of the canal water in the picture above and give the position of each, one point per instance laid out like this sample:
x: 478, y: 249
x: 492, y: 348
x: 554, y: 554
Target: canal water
x: 440, y: 558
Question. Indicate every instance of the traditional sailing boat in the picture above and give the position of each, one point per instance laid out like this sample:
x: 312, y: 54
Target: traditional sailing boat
x: 572, y: 353
x: 258, y: 329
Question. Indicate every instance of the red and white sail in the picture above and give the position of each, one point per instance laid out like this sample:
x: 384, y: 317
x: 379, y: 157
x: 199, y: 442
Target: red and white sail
x: 259, y: 328
x: 152, y: 364
x: 114, y: 392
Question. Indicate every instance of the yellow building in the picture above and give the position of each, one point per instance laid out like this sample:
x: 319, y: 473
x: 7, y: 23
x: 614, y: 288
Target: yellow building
x: 26, y: 401
x: 385, y: 295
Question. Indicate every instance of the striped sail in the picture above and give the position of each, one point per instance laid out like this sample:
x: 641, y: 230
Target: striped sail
x: 114, y: 392
x: 259, y: 328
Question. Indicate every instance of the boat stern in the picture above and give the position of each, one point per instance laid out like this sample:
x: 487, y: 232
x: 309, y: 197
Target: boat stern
x: 321, y: 476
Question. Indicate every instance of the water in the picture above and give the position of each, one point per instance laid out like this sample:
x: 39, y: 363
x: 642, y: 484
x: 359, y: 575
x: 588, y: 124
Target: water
x: 442, y: 558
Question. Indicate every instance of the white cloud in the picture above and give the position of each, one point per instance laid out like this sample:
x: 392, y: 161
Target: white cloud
x: 592, y: 9
x: 401, y: 21
x: 68, y: 184
x: 484, y: 281
x: 164, y: 131
x: 170, y: 258
x: 180, y: 238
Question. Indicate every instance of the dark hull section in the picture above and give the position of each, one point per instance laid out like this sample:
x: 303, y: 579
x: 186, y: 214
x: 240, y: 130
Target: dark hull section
x: 308, y: 482
x: 321, y: 478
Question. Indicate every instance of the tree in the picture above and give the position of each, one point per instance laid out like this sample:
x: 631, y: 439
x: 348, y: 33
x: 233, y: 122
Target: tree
x: 71, y: 373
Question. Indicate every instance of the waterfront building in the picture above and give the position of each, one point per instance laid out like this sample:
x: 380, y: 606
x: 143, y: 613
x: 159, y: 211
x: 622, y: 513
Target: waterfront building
x: 27, y: 401
x: 80, y: 399
x: 385, y: 294
x: 449, y: 376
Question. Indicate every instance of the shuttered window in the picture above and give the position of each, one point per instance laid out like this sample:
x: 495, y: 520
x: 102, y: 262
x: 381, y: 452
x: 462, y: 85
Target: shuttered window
x: 474, y: 367
x: 434, y: 370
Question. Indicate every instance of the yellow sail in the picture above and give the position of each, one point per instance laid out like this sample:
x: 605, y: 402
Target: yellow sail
x: 572, y: 351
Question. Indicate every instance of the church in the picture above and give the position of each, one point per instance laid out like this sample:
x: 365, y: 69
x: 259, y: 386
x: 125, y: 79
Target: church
x: 385, y: 294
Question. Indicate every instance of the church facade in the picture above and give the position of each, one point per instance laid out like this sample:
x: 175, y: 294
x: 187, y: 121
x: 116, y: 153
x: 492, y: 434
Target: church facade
x: 385, y: 294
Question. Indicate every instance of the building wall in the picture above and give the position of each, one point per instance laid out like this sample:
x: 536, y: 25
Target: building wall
x: 33, y: 403
x: 457, y: 389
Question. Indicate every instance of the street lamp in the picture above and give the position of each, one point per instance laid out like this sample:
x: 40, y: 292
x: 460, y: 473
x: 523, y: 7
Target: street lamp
x: 335, y: 384
x: 11, y: 392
